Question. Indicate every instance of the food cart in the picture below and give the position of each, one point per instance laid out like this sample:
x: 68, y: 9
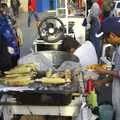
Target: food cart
x: 25, y: 97
x: 37, y: 98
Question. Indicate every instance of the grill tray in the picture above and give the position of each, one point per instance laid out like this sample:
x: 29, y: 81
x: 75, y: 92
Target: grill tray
x: 38, y: 94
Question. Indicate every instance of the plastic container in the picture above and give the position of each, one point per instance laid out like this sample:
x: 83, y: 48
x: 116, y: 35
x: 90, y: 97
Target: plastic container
x: 89, y: 86
x: 92, y: 99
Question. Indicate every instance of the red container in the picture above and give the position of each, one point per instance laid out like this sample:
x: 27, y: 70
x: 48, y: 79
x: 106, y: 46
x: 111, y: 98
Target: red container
x: 89, y: 86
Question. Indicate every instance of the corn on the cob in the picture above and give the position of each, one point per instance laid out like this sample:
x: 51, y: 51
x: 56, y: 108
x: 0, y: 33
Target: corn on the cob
x: 17, y: 75
x: 18, y: 81
x: 53, y: 80
x: 21, y: 69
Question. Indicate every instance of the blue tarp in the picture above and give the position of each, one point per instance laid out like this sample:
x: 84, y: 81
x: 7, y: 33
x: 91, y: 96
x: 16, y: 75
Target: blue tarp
x: 44, y: 5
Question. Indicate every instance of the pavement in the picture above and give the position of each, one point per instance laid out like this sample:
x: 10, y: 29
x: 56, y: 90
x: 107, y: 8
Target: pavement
x: 29, y: 33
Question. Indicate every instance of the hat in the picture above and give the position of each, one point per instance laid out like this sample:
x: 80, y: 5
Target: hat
x: 110, y: 24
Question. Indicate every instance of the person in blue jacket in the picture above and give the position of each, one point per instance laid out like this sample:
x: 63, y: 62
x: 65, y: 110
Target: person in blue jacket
x: 9, y: 38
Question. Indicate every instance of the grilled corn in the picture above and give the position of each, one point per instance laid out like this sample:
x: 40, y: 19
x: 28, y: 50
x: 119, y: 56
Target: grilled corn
x: 21, y: 69
x: 53, y: 80
x: 18, y: 81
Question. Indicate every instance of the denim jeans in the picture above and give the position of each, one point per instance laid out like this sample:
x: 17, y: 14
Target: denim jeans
x: 30, y: 14
x: 95, y: 28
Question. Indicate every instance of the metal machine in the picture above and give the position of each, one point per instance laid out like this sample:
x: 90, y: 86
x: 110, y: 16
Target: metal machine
x: 46, y: 99
x: 68, y: 21
x: 51, y: 32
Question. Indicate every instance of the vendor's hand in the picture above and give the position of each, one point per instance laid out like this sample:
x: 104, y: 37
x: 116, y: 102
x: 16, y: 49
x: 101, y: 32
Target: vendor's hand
x: 11, y: 50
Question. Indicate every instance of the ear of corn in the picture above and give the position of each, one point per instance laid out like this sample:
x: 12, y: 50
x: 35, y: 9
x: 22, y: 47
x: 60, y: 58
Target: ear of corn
x: 17, y: 75
x: 53, y: 80
x: 22, y: 69
x: 18, y: 81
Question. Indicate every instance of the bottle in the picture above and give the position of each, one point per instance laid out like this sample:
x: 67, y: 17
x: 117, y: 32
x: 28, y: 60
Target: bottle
x: 89, y: 85
x: 92, y: 99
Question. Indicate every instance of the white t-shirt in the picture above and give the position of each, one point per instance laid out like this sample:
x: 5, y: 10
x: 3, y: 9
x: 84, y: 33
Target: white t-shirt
x: 86, y: 54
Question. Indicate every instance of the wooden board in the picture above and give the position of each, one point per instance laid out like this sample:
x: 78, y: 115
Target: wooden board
x: 32, y: 117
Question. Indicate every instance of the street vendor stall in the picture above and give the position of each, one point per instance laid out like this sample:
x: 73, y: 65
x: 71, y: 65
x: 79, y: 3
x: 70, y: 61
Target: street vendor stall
x: 42, y: 96
x: 39, y: 84
x: 51, y: 95
x: 37, y: 97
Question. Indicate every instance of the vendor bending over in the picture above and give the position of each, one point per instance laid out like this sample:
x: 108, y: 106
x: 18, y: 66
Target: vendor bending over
x: 86, y: 52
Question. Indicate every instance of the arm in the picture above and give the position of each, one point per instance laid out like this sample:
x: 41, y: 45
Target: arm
x: 102, y: 82
x: 113, y: 73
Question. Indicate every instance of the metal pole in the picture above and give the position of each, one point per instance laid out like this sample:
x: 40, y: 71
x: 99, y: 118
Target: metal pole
x: 66, y: 8
x: 85, y: 8
x: 56, y: 4
x: 66, y: 13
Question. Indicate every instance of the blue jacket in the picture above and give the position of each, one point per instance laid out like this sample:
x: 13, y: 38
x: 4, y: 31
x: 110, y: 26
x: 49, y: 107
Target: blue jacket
x: 8, y: 35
